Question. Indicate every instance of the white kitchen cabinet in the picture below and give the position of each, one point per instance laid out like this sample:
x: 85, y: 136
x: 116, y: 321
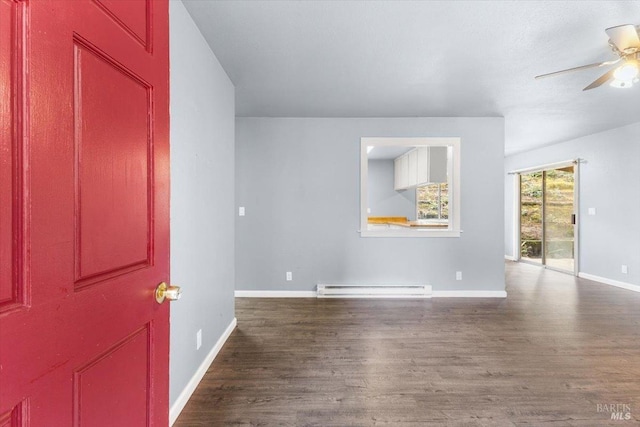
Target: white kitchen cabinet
x: 412, y: 167
x: 422, y: 165
x: 423, y: 162
x: 401, y: 173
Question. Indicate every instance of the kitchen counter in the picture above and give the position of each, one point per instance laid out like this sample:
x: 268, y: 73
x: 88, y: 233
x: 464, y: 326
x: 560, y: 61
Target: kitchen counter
x: 418, y: 224
x: 398, y: 221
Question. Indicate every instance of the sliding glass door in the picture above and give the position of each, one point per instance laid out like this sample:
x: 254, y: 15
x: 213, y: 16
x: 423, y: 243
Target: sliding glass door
x: 559, y: 219
x: 547, y: 219
x: 531, y: 214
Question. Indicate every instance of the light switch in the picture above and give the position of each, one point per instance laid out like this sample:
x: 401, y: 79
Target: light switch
x: 592, y: 211
x: 241, y: 211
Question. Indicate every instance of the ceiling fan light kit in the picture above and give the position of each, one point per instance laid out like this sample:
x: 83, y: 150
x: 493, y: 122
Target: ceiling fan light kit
x: 625, y: 43
x: 625, y: 75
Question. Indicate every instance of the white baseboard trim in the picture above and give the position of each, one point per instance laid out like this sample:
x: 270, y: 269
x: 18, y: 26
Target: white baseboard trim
x: 182, y: 400
x: 469, y: 294
x: 510, y: 258
x: 275, y: 294
x: 610, y: 282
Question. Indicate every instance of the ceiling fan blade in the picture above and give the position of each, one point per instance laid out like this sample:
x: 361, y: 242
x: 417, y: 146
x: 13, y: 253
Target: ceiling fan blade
x: 601, y: 80
x: 582, y: 67
x: 624, y: 36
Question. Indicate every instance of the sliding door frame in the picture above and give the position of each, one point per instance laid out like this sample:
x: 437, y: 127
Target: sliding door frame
x: 576, y: 211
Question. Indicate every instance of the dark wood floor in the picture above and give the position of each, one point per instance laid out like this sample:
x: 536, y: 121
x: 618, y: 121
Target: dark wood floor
x: 552, y: 353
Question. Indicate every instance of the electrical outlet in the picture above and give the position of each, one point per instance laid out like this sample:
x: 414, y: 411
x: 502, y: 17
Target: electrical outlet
x: 241, y: 211
x: 198, y: 339
x: 458, y: 275
x: 624, y: 269
x: 289, y: 276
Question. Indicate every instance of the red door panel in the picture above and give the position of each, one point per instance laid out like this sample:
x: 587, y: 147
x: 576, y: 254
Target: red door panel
x: 127, y: 367
x: 112, y: 133
x: 12, y: 289
x: 7, y: 39
x: 133, y: 17
x: 14, y: 417
x: 84, y: 219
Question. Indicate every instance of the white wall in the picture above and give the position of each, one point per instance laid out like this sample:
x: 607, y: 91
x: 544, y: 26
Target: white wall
x: 609, y: 182
x: 299, y: 180
x: 202, y: 198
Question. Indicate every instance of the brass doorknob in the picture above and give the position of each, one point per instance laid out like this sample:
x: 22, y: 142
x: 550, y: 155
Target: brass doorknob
x: 164, y: 291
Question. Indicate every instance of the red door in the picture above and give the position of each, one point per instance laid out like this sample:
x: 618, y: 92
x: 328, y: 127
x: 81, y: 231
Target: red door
x: 84, y: 219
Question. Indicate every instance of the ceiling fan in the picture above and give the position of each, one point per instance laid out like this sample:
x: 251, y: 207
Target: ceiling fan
x: 625, y: 42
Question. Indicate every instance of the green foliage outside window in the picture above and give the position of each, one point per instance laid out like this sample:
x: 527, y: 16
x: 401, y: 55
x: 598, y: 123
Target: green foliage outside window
x: 433, y: 201
x: 559, y: 208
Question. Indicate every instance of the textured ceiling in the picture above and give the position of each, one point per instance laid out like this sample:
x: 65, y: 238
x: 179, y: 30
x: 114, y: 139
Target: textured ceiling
x: 424, y: 58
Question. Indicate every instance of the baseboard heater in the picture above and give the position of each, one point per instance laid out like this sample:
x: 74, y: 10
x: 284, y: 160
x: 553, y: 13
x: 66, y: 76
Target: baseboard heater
x: 373, y: 291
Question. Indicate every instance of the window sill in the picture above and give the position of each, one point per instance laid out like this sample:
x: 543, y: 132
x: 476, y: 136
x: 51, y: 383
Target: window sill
x: 410, y: 233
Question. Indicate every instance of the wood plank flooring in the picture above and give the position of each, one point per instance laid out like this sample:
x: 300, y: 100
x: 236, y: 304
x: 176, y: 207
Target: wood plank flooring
x: 551, y: 354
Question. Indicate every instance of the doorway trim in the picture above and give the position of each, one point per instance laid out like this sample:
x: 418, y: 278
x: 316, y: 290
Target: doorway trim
x: 576, y: 208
